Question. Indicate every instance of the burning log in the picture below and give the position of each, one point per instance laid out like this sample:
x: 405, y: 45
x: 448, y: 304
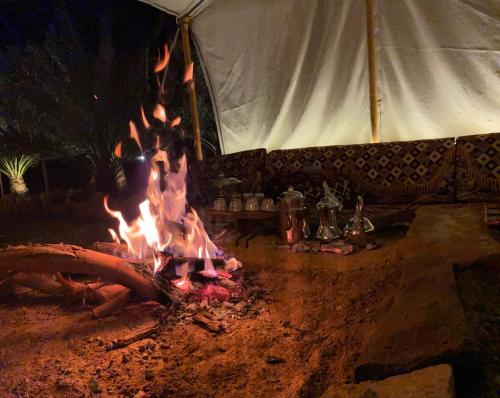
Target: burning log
x: 52, y: 259
x: 111, y: 248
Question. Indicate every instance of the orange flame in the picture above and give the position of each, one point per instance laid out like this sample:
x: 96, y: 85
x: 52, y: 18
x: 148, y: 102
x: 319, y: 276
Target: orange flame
x: 159, y: 113
x: 114, y: 236
x: 183, y: 282
x: 188, y: 75
x: 118, y: 150
x: 175, y: 122
x: 164, y: 223
x: 144, y: 120
x: 134, y: 134
x: 162, y: 61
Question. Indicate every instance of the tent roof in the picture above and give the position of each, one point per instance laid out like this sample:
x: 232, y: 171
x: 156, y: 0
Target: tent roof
x: 294, y: 73
x: 179, y: 7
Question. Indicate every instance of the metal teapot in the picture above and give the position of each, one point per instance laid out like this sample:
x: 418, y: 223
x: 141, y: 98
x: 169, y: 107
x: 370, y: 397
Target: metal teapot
x: 328, y: 228
x: 357, y: 227
x: 292, y: 221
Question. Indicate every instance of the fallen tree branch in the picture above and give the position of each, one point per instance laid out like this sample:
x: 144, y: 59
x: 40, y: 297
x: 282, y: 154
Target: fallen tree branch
x: 51, y: 259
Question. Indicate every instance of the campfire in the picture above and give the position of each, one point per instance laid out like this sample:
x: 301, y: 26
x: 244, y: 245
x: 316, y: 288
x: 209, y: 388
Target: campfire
x: 168, y: 235
x: 164, y: 255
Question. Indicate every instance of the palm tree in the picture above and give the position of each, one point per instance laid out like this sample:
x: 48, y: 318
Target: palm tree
x: 14, y: 168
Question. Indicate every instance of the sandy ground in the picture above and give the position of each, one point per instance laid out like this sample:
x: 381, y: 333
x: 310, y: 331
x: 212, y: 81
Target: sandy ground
x: 317, y: 310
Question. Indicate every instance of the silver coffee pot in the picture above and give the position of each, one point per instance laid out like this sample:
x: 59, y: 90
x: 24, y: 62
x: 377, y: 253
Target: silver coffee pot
x: 292, y: 221
x: 328, y: 208
x: 356, y: 228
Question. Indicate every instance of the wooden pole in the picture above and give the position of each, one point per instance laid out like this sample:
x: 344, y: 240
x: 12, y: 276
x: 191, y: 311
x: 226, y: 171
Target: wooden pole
x: 45, y: 176
x: 372, y: 71
x: 186, y: 48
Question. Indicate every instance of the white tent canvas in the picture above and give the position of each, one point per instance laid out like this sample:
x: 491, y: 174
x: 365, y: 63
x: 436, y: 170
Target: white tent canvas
x: 294, y: 73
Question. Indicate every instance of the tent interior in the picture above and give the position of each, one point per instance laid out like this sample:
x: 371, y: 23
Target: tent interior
x: 265, y: 198
x: 292, y: 74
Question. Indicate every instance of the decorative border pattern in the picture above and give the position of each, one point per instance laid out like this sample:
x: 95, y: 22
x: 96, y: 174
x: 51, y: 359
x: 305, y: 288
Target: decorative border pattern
x: 396, y: 172
x: 478, y: 168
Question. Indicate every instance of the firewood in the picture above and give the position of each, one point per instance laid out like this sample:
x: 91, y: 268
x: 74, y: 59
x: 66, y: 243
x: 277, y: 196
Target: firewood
x: 41, y: 282
x: 52, y: 259
x: 94, y: 293
x: 110, y: 291
x: 101, y: 294
x: 112, y: 248
x: 205, y: 320
x: 113, y: 305
x: 71, y: 288
x: 139, y: 335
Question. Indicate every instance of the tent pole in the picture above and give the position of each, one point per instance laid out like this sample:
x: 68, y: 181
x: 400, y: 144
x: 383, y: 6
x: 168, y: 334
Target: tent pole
x: 45, y: 175
x: 372, y: 72
x: 186, y: 48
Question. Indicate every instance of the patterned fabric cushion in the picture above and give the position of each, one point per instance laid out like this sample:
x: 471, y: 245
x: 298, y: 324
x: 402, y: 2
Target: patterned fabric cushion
x: 396, y: 172
x: 305, y: 169
x: 248, y: 166
x: 402, y: 172
x: 478, y: 168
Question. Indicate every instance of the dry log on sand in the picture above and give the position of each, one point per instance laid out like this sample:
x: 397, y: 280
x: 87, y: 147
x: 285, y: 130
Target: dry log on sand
x: 140, y: 334
x: 41, y: 282
x: 53, y: 259
x: 115, y: 304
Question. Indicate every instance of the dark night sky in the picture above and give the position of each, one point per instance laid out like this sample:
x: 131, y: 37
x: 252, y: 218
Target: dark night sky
x: 132, y: 23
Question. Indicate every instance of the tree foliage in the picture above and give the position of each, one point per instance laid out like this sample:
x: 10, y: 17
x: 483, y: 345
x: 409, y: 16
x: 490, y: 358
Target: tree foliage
x: 61, y: 99
x: 71, y: 92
